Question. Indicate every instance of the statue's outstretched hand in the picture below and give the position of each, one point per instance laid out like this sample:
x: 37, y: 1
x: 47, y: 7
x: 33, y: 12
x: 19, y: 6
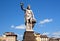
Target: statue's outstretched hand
x: 21, y: 4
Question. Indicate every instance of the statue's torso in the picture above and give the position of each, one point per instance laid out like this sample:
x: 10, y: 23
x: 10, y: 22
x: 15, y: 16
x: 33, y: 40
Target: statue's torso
x: 28, y: 14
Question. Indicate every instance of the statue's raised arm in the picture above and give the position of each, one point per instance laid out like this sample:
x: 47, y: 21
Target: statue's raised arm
x: 21, y: 4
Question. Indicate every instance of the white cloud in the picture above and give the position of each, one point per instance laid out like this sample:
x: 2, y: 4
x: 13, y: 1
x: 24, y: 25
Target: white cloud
x: 12, y: 26
x: 21, y: 35
x: 19, y: 40
x: 20, y: 27
x: 56, y: 34
x: 45, y: 33
x: 46, y: 21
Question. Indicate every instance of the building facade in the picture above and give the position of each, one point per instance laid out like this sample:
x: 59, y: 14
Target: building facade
x: 37, y: 36
x: 54, y: 39
x: 41, y: 37
x: 44, y: 38
x: 8, y: 36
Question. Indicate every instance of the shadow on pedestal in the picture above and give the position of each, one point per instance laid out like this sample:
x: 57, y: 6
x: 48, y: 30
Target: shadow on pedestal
x: 29, y: 36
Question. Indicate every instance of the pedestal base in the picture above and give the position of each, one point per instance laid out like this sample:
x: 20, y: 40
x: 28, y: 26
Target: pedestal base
x: 29, y: 36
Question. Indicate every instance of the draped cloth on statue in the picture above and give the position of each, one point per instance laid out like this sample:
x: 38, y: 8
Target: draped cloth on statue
x: 29, y: 18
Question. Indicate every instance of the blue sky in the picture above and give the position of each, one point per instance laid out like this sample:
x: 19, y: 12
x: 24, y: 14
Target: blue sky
x: 47, y: 14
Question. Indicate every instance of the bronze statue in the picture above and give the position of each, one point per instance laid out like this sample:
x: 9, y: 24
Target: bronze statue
x: 29, y: 17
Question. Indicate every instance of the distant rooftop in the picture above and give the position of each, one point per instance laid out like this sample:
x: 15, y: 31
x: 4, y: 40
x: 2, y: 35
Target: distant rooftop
x: 43, y: 36
x: 10, y: 34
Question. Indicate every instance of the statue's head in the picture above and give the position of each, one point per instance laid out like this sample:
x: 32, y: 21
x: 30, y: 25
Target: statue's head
x: 28, y: 7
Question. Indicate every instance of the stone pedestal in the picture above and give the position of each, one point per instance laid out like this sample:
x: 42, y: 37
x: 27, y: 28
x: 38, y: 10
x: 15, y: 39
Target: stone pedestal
x: 29, y: 36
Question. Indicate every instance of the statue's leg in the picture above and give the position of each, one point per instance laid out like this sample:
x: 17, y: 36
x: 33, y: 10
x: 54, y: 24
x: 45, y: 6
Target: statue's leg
x: 27, y: 24
x: 31, y: 22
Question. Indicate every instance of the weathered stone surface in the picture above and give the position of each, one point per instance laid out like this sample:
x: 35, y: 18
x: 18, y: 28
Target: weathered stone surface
x: 29, y: 36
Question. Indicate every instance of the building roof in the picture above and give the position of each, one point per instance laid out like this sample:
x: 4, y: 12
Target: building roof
x: 10, y: 34
x: 43, y: 36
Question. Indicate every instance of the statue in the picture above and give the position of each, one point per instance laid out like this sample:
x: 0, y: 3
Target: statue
x: 29, y: 17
